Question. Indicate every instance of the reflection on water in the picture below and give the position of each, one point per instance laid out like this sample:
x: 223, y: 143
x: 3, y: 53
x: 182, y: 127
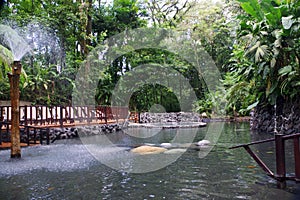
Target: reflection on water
x: 68, y: 171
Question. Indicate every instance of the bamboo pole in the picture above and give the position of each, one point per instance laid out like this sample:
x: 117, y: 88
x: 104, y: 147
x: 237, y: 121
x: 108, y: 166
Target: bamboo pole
x: 14, y: 79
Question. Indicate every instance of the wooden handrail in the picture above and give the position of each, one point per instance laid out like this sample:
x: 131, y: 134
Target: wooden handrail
x: 280, y: 175
x: 60, y: 115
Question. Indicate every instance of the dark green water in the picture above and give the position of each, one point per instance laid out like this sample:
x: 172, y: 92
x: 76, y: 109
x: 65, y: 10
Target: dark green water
x: 67, y: 171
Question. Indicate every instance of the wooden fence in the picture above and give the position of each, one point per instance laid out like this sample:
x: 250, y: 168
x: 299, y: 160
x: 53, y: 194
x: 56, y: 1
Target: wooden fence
x: 59, y: 115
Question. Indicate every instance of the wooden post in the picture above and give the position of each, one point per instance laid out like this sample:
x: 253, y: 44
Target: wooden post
x: 106, y: 113
x: 61, y: 116
x: 0, y: 132
x: 297, y: 157
x: 280, y: 161
x: 14, y: 79
x: 26, y: 123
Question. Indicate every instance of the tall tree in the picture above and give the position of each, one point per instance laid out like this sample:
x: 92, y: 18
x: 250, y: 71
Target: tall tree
x: 167, y: 13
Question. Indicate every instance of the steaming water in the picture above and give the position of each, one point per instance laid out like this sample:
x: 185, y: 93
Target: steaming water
x: 66, y: 170
x: 14, y: 41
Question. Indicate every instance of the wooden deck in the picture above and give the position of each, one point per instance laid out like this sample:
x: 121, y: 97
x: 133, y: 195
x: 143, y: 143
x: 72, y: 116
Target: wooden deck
x: 7, y: 145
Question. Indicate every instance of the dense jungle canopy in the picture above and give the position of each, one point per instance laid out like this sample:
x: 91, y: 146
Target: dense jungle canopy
x: 255, y: 44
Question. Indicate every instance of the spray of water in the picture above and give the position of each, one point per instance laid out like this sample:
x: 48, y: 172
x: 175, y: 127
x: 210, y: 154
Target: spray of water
x: 14, y: 42
x: 275, y: 118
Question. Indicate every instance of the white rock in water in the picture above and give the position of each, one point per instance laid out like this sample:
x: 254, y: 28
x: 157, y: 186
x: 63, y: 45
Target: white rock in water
x: 175, y: 151
x: 149, y: 144
x: 204, y: 115
x: 203, y: 142
x: 166, y: 145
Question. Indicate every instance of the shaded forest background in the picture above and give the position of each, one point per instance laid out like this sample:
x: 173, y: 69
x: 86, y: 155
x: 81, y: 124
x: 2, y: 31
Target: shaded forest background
x: 255, y: 45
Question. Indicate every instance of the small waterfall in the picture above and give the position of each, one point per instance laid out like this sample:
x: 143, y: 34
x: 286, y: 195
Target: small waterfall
x: 275, y: 118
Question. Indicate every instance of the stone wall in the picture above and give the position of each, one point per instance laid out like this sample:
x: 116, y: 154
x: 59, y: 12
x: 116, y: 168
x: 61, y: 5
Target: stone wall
x: 74, y: 132
x: 287, y: 117
x: 149, y: 117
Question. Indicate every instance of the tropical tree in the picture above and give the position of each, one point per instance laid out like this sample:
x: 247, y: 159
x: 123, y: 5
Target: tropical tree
x: 212, y: 26
x: 167, y: 14
x: 266, y: 56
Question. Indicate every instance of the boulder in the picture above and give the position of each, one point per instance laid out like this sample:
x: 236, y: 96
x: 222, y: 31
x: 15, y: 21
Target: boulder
x: 166, y: 145
x: 175, y: 151
x: 203, y: 143
x: 144, y: 150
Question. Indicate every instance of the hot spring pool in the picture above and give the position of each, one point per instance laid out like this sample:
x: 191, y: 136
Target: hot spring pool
x: 67, y: 169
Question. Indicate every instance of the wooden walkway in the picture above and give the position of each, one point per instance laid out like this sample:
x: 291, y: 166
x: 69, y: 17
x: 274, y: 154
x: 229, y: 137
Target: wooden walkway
x: 59, y: 115
x: 44, y: 117
x: 7, y: 145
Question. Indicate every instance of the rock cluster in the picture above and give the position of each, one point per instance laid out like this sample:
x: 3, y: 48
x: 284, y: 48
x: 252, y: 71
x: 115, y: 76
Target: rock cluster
x: 98, y: 129
x: 72, y: 132
x: 287, y: 118
x: 169, y: 148
x: 149, y: 117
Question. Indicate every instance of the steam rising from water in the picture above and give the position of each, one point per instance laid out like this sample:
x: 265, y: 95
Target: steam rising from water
x: 14, y: 41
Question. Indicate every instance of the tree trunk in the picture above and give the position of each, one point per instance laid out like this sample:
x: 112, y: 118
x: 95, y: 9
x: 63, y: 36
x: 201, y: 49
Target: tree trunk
x: 85, y: 9
x: 88, y: 27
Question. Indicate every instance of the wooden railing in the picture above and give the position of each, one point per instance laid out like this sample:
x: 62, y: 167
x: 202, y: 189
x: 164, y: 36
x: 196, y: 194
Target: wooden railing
x: 280, y: 175
x: 59, y: 115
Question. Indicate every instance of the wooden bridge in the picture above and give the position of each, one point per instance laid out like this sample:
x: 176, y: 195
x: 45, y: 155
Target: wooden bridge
x: 44, y: 117
x: 64, y: 116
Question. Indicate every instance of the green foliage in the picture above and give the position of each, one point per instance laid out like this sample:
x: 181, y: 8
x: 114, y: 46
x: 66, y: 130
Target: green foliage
x: 61, y: 34
x: 148, y: 95
x: 168, y: 14
x: 263, y: 64
x: 212, y: 27
x: 213, y: 104
x: 266, y: 57
x: 5, y: 61
x: 48, y: 85
x: 114, y: 19
x: 6, y: 57
x: 239, y: 93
